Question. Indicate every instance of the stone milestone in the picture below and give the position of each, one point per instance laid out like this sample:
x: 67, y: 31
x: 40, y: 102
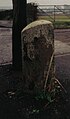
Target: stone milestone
x: 37, y: 55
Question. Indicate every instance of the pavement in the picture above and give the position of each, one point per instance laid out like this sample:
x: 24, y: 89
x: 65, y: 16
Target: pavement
x: 62, y: 42
x: 61, y: 48
x: 5, y: 45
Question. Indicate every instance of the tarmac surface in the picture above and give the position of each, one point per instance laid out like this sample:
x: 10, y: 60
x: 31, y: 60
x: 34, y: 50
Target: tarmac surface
x: 62, y: 54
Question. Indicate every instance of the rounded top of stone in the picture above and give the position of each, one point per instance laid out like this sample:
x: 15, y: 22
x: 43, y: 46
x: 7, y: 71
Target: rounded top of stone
x: 36, y: 23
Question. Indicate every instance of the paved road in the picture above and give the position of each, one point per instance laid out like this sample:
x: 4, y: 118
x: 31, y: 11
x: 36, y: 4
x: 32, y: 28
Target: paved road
x: 62, y: 57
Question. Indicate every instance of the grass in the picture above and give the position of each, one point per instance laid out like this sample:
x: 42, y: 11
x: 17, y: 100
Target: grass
x: 62, y: 24
x: 61, y: 21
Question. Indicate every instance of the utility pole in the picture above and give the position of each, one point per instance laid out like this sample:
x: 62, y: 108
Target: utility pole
x: 19, y: 22
x: 54, y: 14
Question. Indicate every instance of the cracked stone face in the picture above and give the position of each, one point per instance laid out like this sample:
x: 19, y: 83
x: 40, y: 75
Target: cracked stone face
x: 37, y: 49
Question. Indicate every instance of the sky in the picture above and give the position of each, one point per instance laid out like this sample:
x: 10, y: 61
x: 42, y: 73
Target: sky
x: 44, y: 2
x: 5, y: 2
x: 51, y: 2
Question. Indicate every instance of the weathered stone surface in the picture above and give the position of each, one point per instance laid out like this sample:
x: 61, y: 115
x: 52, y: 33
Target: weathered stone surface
x: 37, y: 49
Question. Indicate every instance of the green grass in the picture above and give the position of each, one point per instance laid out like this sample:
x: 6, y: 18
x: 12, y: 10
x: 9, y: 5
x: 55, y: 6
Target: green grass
x: 62, y: 24
x: 61, y: 21
x: 57, y: 18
